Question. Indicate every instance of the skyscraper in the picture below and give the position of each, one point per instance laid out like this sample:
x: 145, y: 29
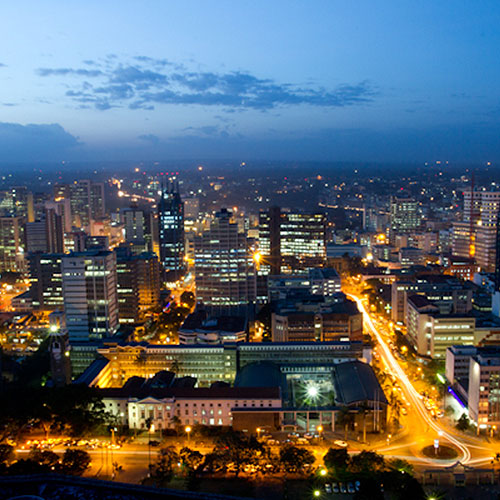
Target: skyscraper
x: 11, y: 244
x: 405, y: 215
x: 291, y: 241
x: 90, y: 296
x: 138, y: 278
x: 137, y: 225
x: 87, y: 201
x: 171, y: 231
x: 476, y: 235
x: 225, y: 277
x: 46, y: 281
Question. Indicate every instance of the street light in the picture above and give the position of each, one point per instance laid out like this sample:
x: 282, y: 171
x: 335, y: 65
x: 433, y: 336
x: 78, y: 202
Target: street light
x: 317, y: 493
x: 188, y: 430
x: 258, y: 432
x: 319, y: 429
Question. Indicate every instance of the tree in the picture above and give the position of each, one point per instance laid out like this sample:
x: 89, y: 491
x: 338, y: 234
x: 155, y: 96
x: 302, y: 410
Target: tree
x: 188, y: 298
x: 396, y: 407
x: 238, y: 450
x: 367, y: 462
x: 191, y: 459
x: 400, y: 465
x: 75, y: 462
x: 6, y: 453
x: 44, y: 457
x: 294, y: 459
x: 463, y: 423
x: 163, y: 470
x: 336, y: 459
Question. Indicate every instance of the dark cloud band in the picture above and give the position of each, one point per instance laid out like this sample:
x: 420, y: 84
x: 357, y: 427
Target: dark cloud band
x: 147, y: 82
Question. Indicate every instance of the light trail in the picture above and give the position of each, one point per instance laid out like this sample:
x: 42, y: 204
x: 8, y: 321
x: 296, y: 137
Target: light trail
x: 412, y: 393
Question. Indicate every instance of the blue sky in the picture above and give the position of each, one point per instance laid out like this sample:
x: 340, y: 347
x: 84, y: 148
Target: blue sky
x: 320, y: 80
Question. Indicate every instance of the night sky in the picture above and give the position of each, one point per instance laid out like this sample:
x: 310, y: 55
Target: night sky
x: 395, y: 81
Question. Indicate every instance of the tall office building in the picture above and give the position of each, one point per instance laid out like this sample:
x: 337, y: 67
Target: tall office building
x: 87, y: 201
x: 46, y: 281
x: 291, y: 241
x: 62, y: 207
x: 45, y: 235
x: 54, y: 227
x: 11, y: 244
x: 17, y: 201
x: 90, y: 294
x: 137, y: 226
x: 225, y: 277
x: 171, y: 231
x: 97, y: 200
x: 138, y: 279
x: 404, y: 216
x: 476, y: 235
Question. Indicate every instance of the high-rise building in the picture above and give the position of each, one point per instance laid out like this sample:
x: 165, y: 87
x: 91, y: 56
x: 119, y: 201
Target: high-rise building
x: 405, y: 215
x: 97, y: 201
x: 90, y: 294
x: 138, y: 280
x: 54, y: 228
x: 171, y: 231
x: 17, y: 201
x: 87, y: 201
x: 46, y: 280
x: 62, y: 207
x: 224, y: 271
x: 137, y: 226
x: 11, y: 244
x: 291, y: 241
x: 476, y: 235
x: 36, y: 236
x: 45, y: 235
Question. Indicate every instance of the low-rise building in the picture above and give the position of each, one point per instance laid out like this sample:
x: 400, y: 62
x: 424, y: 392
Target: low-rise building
x: 165, y: 408
x: 317, y: 320
x: 212, y: 363
x: 199, y: 328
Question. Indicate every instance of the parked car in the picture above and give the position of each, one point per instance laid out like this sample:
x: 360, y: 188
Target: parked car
x: 328, y: 488
x: 350, y: 488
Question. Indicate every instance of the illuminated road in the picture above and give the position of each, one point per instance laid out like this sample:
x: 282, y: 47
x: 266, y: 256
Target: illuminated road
x: 413, y: 396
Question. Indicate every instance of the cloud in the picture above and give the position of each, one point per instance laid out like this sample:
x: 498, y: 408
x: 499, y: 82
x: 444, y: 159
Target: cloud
x: 35, y: 142
x: 147, y: 82
x: 68, y: 71
x: 151, y: 138
x: 2, y: 65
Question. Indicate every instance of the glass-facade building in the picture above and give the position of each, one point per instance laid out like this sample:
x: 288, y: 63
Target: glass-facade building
x: 171, y: 231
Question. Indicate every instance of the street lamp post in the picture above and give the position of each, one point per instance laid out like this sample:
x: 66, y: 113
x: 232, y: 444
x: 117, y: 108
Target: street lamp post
x: 320, y: 430
x: 258, y: 432
x: 188, y: 430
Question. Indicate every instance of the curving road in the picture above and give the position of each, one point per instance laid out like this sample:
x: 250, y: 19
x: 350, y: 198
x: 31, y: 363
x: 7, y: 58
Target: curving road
x: 411, y: 393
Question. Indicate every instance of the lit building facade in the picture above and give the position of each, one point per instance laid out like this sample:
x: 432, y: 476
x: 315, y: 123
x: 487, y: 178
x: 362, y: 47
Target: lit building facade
x: 46, y: 281
x: 405, y: 215
x: 171, y: 231
x: 11, y: 244
x: 210, y: 364
x: 291, y: 241
x: 224, y: 268
x: 90, y: 294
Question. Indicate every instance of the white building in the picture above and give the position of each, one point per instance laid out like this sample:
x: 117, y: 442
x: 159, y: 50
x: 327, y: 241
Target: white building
x: 167, y: 408
x: 90, y: 294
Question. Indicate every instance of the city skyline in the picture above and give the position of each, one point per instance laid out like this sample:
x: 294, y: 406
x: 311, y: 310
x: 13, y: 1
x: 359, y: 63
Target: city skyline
x: 326, y: 81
